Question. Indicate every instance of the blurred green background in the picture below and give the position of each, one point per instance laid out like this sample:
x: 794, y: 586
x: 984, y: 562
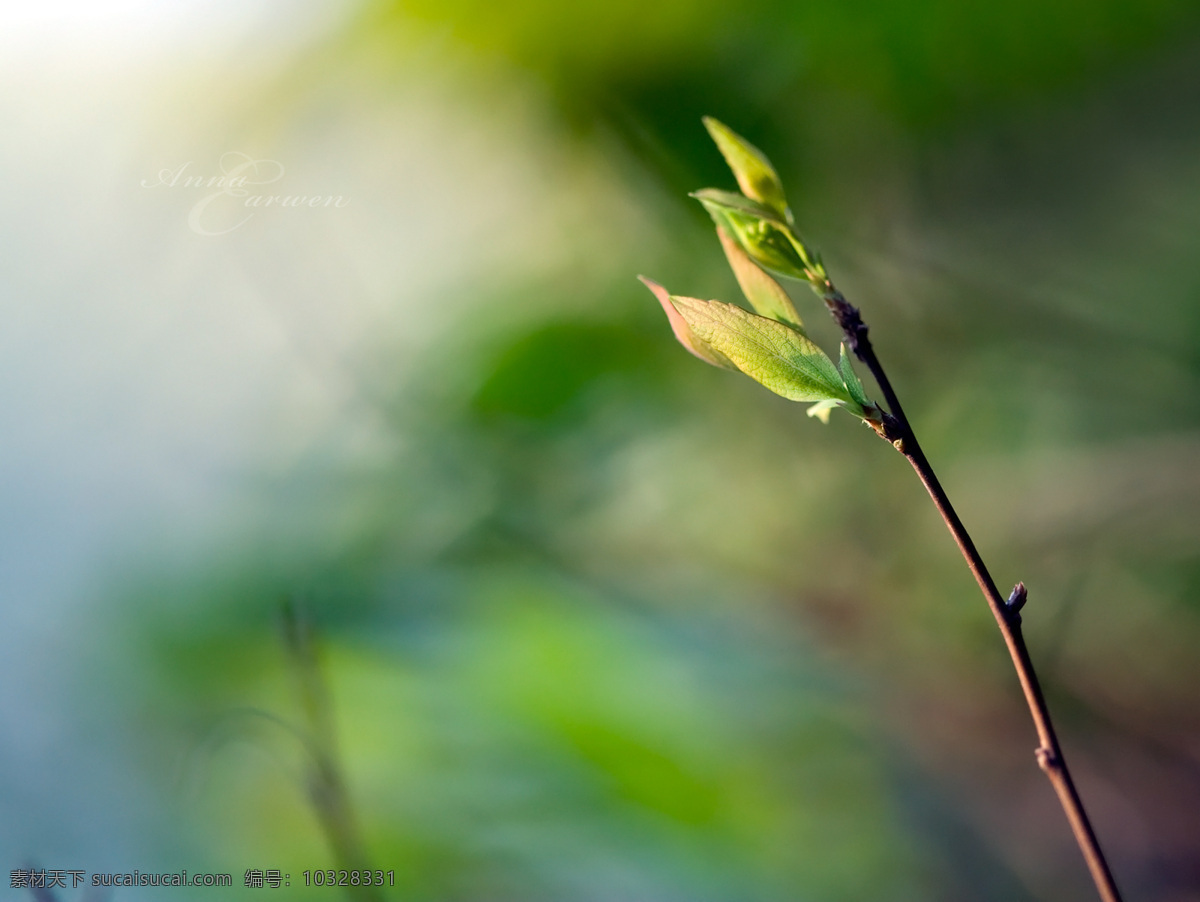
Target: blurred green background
x: 596, y: 621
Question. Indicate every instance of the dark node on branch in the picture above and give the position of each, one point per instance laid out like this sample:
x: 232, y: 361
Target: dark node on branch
x: 888, y: 427
x: 848, y: 318
x: 893, y: 431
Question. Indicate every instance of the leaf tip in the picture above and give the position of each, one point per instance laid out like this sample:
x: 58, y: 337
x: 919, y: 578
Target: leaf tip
x: 683, y: 331
x: 660, y: 292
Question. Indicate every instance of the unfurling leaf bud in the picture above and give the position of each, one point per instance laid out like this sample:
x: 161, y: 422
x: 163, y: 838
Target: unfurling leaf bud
x: 769, y: 346
x: 762, y: 234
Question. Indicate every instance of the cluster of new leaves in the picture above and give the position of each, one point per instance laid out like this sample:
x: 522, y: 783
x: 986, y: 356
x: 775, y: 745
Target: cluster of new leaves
x: 769, y: 345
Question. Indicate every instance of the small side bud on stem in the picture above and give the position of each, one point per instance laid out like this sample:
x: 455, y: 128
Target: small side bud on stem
x: 1016, y: 601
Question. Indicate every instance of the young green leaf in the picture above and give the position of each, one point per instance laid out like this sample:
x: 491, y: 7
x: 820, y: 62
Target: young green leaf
x: 821, y: 409
x: 683, y: 332
x: 754, y: 173
x: 765, y: 295
x: 771, y: 353
x: 853, y: 385
x: 727, y: 202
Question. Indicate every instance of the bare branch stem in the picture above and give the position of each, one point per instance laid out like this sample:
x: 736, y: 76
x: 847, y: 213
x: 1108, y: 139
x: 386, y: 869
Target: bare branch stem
x: 1049, y: 754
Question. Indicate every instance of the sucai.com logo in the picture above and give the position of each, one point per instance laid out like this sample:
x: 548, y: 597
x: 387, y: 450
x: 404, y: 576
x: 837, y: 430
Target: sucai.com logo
x: 229, y: 199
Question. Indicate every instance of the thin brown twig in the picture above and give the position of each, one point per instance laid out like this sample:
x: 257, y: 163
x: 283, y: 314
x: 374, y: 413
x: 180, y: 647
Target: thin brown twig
x: 897, y: 429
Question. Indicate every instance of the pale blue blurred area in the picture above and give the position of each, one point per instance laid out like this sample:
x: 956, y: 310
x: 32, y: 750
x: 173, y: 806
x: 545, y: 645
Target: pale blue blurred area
x: 150, y: 371
x: 137, y: 363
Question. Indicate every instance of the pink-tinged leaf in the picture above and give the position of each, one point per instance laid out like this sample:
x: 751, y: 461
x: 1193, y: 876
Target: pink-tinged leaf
x: 683, y: 332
